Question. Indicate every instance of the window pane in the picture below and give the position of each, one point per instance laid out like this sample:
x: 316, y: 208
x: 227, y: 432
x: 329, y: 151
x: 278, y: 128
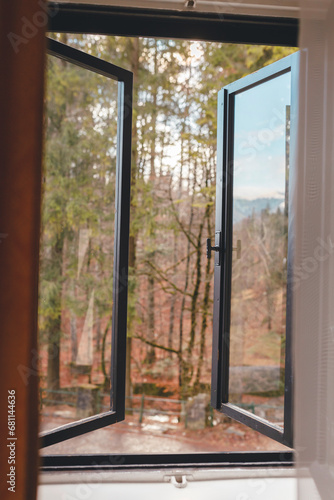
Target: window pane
x: 77, y: 244
x: 260, y: 232
x: 170, y: 292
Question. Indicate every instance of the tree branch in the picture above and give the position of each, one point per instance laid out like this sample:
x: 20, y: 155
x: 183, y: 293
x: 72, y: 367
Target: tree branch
x: 158, y: 346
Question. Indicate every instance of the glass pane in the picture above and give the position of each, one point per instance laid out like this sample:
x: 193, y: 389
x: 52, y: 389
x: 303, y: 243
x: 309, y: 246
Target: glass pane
x: 260, y: 232
x: 75, y: 303
x: 170, y: 293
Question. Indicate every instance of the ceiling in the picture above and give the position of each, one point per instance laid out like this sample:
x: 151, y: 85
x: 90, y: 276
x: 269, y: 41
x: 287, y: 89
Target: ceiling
x: 281, y: 8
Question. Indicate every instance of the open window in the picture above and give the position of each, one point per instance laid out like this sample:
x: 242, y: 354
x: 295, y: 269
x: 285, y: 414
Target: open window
x: 97, y: 247
x: 94, y: 155
x: 257, y: 124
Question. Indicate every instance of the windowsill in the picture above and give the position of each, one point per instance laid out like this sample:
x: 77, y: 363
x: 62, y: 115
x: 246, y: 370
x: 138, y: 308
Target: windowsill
x: 158, y: 476
x: 198, y: 483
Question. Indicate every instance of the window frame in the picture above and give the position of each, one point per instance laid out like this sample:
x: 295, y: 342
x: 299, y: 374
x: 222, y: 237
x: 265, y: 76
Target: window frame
x: 161, y: 23
x: 223, y: 258
x: 252, y: 459
x: 108, y: 20
x: 121, y: 243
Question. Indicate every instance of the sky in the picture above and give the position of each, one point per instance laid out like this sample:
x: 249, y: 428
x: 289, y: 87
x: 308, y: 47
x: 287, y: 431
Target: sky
x: 260, y: 139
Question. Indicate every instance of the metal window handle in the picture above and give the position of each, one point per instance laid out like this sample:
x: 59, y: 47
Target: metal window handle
x: 238, y: 249
x: 209, y: 248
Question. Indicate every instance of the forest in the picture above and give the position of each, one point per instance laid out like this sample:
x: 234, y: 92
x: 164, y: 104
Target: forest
x: 173, y: 179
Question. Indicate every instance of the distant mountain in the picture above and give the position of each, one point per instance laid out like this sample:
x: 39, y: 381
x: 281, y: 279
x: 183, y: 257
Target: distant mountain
x: 243, y: 208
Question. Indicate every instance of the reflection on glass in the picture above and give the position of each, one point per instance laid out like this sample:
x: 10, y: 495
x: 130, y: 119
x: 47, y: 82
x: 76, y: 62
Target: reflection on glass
x: 260, y: 231
x: 77, y: 241
x: 170, y: 291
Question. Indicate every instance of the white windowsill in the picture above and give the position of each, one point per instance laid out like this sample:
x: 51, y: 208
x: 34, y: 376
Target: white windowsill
x: 226, y: 484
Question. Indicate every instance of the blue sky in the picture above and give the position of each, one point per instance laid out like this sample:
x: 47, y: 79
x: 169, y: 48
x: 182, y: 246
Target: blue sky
x: 259, y: 146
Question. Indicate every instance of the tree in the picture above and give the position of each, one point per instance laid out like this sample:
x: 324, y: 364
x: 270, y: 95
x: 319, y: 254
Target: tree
x: 79, y: 185
x: 172, y: 201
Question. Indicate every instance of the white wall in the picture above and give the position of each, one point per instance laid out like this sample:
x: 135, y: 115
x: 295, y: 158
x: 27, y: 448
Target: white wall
x: 314, y: 298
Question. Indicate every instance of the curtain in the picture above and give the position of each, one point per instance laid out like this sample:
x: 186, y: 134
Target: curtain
x: 313, y: 298
x: 22, y: 53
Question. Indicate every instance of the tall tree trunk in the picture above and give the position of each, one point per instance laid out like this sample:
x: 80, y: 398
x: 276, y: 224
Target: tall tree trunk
x: 154, y: 92
x: 106, y: 383
x: 182, y: 365
x: 150, y: 357
x: 134, y: 56
x: 193, y: 307
x: 74, y: 346
x: 98, y: 329
x: 54, y: 322
x: 204, y: 308
x: 183, y: 303
x: 172, y: 306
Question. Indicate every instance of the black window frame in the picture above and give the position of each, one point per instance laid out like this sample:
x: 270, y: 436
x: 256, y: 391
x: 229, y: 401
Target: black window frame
x: 223, y: 258
x: 183, y: 24
x: 121, y: 243
x: 124, y: 21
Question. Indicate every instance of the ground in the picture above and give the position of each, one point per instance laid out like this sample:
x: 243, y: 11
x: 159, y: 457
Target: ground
x: 159, y: 434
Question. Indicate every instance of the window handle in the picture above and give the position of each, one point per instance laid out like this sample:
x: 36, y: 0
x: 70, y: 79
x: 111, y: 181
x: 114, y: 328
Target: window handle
x: 238, y: 249
x: 209, y: 248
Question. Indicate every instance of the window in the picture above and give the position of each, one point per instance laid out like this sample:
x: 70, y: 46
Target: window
x: 114, y: 221
x: 220, y: 370
x: 254, y: 224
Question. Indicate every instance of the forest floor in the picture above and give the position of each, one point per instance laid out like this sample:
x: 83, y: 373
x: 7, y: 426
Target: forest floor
x: 155, y: 435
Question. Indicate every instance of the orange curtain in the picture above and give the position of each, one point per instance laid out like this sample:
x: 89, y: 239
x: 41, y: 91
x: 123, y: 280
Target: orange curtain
x: 22, y: 54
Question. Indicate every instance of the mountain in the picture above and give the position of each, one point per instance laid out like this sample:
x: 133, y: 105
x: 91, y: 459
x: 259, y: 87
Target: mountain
x: 243, y: 208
